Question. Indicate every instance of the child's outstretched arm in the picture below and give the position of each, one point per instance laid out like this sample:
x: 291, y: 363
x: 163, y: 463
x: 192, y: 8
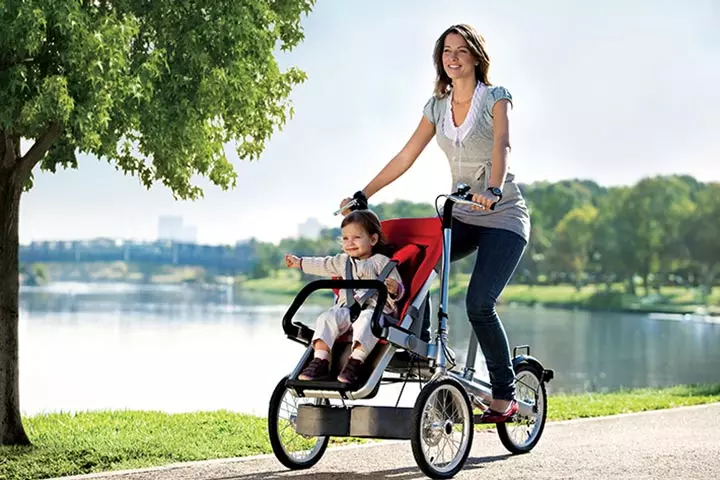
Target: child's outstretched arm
x: 330, y: 266
x: 291, y: 261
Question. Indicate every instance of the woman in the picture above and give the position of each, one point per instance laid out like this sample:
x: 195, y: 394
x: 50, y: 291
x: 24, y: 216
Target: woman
x: 469, y: 117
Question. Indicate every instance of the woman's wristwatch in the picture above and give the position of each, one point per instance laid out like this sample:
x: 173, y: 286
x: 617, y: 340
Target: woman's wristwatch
x: 496, y: 191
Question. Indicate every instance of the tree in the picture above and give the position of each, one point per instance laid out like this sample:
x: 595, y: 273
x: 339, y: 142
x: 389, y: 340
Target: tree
x: 573, y: 242
x: 614, y: 253
x: 550, y: 202
x: 652, y: 217
x: 157, y: 88
x: 700, y: 236
x: 403, y: 209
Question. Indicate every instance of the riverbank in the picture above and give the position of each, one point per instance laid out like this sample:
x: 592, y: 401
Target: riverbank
x: 283, y: 285
x: 70, y: 444
x: 675, y: 300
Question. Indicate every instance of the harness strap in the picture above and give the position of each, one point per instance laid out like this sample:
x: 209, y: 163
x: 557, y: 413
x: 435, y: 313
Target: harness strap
x: 383, y: 275
x: 357, y: 305
x: 349, y: 292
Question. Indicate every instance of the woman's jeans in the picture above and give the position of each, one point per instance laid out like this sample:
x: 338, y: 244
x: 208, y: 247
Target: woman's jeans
x: 499, y: 252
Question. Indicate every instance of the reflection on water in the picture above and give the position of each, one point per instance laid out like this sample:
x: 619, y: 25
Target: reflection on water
x: 184, y: 348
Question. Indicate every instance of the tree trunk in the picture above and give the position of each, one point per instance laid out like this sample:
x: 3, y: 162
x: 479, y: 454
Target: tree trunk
x: 11, y: 428
x: 631, y: 284
x: 707, y: 282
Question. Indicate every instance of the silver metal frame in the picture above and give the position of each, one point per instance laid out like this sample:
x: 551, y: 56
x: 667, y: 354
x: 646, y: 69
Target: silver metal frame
x: 478, y: 390
x: 395, y: 340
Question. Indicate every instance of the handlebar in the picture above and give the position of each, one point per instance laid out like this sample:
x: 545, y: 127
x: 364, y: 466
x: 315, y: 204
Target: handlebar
x: 464, y: 197
x: 465, y: 200
x: 358, y: 202
x: 461, y: 196
x: 349, y: 205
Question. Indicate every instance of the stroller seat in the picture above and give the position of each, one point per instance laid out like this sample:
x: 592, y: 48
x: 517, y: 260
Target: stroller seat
x: 418, y: 247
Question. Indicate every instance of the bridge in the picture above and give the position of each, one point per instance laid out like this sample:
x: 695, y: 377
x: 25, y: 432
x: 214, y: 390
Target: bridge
x: 224, y: 259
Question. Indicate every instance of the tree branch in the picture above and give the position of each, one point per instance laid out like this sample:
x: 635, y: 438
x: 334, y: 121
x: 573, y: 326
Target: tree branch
x: 39, y: 149
x: 8, y: 64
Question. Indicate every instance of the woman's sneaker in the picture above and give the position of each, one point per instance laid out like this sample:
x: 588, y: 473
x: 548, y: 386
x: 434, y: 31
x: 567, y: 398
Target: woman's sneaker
x: 317, y: 369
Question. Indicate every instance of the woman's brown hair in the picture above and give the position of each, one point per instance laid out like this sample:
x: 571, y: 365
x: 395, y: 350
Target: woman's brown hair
x: 476, y: 44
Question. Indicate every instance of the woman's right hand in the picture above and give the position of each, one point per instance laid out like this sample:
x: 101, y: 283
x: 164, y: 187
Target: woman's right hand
x: 343, y: 203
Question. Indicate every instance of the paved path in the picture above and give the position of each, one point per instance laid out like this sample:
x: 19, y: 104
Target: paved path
x: 682, y: 443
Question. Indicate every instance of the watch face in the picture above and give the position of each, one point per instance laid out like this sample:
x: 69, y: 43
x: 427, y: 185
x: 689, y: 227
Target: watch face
x: 496, y: 191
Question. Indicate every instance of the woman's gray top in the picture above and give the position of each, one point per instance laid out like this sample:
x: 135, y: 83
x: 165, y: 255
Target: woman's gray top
x: 469, y: 150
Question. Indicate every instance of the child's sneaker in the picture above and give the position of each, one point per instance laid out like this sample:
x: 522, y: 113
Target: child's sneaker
x: 317, y: 369
x: 352, y: 372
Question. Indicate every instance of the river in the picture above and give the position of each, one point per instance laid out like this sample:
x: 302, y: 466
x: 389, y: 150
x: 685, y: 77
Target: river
x: 188, y: 348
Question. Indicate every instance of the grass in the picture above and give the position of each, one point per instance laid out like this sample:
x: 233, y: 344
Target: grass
x: 585, y: 405
x: 669, y: 300
x: 68, y: 444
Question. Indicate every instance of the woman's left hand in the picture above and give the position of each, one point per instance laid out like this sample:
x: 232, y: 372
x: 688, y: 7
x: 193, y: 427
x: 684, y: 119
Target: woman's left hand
x: 486, y: 199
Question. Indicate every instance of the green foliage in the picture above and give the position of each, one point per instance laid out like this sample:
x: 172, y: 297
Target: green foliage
x: 574, y: 240
x: 403, y: 209
x: 550, y: 202
x: 157, y: 88
x: 663, y: 229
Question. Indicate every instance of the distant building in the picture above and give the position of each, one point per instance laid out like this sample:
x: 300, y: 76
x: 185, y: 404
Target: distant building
x: 310, y: 229
x: 172, y: 228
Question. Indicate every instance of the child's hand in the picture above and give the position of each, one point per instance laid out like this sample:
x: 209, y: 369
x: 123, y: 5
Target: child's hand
x: 292, y: 261
x: 392, y: 286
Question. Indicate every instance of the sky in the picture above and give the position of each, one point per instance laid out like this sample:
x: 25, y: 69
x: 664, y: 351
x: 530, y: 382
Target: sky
x: 610, y: 91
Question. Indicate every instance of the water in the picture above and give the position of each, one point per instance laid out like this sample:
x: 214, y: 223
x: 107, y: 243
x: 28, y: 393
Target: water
x: 182, y: 348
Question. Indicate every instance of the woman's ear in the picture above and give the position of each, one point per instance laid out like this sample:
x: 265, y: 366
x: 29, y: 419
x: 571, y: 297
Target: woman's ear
x: 374, y: 239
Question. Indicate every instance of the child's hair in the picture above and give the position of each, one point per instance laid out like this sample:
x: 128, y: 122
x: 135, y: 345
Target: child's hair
x: 371, y: 224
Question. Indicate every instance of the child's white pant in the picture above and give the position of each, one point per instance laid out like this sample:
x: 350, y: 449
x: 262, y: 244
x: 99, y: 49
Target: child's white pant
x: 336, y: 321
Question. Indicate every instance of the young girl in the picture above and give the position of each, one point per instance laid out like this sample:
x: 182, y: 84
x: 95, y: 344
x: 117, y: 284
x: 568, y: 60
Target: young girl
x: 361, y: 239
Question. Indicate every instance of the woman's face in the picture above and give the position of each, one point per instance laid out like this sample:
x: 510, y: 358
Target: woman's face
x: 457, y: 59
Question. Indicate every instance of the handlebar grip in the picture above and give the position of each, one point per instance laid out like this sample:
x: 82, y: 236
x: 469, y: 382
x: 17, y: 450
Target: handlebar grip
x: 468, y: 196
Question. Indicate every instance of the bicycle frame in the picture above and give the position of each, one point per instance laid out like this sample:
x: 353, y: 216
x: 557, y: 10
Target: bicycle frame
x: 475, y: 387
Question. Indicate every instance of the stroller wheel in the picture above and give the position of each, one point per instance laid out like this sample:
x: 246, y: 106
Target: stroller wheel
x: 441, y: 429
x: 520, y: 434
x: 293, y: 450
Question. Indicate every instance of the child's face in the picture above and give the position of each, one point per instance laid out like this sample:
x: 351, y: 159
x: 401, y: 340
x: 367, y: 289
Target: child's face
x: 356, y: 241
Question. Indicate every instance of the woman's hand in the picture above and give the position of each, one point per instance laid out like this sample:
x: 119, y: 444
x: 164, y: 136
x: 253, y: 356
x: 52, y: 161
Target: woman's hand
x: 486, y: 199
x: 343, y: 203
x: 292, y: 261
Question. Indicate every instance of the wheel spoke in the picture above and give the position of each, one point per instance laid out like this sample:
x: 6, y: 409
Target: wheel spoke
x: 523, y: 432
x: 445, y: 429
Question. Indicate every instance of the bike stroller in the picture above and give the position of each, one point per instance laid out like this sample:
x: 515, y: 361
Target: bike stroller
x: 440, y: 426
